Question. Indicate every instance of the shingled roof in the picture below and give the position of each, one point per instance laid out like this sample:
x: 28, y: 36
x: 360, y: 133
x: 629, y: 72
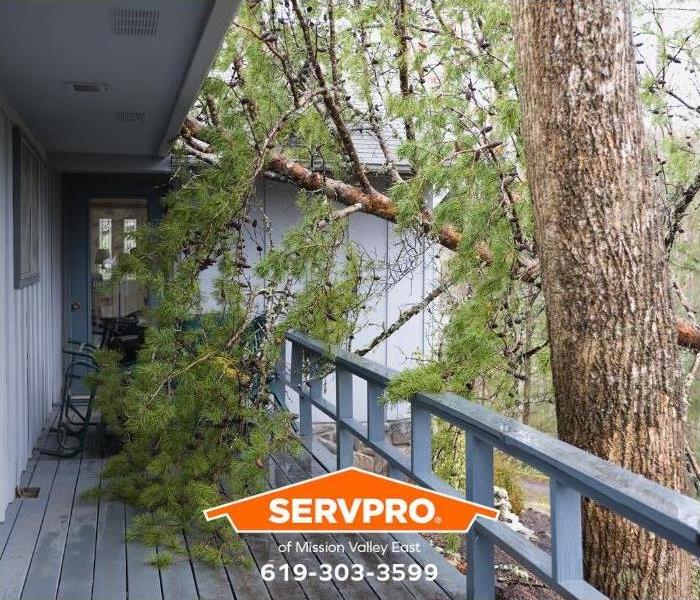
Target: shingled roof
x: 370, y: 152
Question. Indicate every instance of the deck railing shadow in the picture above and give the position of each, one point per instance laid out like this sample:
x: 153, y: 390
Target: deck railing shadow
x: 573, y: 473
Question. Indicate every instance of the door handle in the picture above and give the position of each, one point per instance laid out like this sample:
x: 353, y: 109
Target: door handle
x: 75, y: 305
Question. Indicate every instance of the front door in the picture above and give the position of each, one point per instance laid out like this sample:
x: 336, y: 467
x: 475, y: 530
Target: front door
x: 99, y: 214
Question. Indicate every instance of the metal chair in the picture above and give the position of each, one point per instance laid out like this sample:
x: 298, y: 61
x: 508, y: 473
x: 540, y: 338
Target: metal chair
x: 73, y: 423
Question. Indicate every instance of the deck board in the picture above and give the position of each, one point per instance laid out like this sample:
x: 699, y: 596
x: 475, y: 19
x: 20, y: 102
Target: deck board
x: 212, y: 582
x: 110, y: 552
x: 387, y: 590
x: 45, y: 568
x: 263, y: 547
x: 348, y: 589
x: 13, y: 509
x: 22, y: 541
x: 312, y: 586
x: 143, y: 580
x: 178, y: 579
x: 79, y: 555
x: 245, y: 579
x: 450, y: 582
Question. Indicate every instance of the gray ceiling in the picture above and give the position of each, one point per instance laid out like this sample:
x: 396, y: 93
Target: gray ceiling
x: 142, y: 50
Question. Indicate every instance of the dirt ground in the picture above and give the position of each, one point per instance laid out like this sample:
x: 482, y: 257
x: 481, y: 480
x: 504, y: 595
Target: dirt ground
x: 512, y: 581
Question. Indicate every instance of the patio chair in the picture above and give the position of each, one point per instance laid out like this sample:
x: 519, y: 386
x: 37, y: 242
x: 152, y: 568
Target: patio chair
x: 75, y: 410
x: 73, y: 420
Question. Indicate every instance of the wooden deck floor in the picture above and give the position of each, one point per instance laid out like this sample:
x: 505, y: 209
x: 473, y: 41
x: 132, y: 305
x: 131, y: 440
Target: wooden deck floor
x: 58, y: 546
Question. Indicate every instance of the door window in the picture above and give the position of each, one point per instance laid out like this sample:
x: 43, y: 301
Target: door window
x: 112, y: 223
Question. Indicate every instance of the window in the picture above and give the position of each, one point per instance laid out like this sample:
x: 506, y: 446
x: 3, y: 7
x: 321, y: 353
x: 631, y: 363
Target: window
x: 104, y: 248
x: 27, y: 182
x: 129, y: 241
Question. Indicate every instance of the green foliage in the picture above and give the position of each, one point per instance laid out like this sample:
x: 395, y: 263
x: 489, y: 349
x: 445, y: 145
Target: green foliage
x: 193, y: 413
x: 426, y: 378
x: 507, y: 475
x: 161, y: 560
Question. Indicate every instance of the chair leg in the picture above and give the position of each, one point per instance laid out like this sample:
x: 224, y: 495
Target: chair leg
x: 63, y: 450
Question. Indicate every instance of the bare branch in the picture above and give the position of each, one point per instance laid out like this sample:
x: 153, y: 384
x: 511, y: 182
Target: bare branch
x: 403, y: 318
x: 339, y: 214
x: 680, y: 207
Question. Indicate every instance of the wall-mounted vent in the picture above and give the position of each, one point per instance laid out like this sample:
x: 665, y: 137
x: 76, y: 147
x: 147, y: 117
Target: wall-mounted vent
x: 86, y: 87
x: 125, y: 116
x: 134, y: 22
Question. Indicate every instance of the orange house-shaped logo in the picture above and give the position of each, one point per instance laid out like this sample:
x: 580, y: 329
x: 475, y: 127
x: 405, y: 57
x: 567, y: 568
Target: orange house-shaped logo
x: 350, y: 500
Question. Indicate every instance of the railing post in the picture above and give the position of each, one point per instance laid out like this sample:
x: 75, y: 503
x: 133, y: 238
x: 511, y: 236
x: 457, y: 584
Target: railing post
x: 421, y: 440
x: 480, y: 562
x: 343, y: 410
x: 567, y: 544
x: 375, y: 412
x: 296, y: 375
x: 280, y: 387
x: 314, y: 385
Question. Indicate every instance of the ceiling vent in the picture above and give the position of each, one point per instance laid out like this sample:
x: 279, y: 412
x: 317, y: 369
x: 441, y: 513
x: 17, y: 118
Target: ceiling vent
x: 124, y: 116
x: 134, y: 22
x: 86, y: 87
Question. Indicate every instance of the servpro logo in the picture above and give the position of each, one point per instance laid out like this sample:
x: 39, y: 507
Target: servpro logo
x: 350, y: 500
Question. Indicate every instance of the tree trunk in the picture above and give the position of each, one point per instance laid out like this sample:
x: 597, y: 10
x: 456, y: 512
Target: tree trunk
x: 605, y: 274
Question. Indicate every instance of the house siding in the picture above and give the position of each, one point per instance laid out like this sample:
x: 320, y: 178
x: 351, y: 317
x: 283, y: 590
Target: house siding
x: 30, y: 322
x: 276, y: 203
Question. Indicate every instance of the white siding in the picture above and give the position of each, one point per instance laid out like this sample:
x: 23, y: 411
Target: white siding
x: 377, y: 237
x: 30, y: 324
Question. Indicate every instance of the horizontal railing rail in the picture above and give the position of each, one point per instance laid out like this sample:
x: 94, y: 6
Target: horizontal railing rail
x: 574, y: 474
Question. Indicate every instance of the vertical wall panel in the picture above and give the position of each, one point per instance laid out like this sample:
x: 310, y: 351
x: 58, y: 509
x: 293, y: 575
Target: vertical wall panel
x: 30, y: 322
x: 6, y: 413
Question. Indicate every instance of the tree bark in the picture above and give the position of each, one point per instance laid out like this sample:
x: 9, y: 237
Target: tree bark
x: 604, y: 273
x: 373, y: 203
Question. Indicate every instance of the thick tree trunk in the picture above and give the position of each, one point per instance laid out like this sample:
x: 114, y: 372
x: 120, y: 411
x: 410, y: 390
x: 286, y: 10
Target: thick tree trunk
x: 604, y: 271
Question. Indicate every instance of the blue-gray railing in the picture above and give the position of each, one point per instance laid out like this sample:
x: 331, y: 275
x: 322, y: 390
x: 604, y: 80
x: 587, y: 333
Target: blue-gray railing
x: 573, y: 473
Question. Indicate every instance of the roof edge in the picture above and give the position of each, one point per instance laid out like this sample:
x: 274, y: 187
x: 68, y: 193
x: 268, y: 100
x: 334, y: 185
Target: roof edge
x: 76, y: 162
x: 210, y: 40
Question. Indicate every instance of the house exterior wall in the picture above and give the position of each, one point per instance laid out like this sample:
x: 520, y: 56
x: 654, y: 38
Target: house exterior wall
x: 378, y: 238
x: 30, y: 321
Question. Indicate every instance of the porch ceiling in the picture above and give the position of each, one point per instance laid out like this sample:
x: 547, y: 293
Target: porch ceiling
x: 146, y: 57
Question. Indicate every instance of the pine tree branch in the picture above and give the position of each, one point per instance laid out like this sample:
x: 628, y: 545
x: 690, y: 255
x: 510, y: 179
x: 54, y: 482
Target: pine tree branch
x: 693, y: 466
x: 271, y: 44
x: 688, y: 334
x: 330, y: 103
x: 211, y: 159
x: 401, y: 32
x: 373, y: 117
x: 374, y: 203
x: 339, y: 214
x: 332, y: 49
x: 379, y: 205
